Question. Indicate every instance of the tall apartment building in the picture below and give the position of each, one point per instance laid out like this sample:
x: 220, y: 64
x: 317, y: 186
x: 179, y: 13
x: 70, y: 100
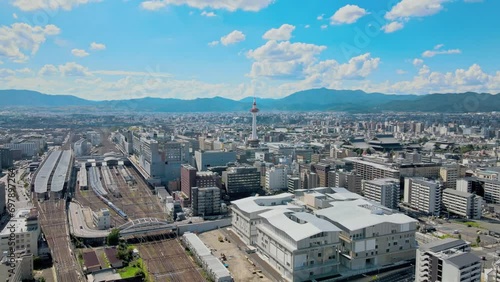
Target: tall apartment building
x: 206, y: 159
x: 449, y: 175
x: 26, y: 229
x: 309, y: 179
x: 371, y: 235
x: 6, y: 158
x: 462, y: 203
x: 293, y: 184
x: 349, y: 180
x: 384, y: 191
x: 423, y: 195
x: 322, y: 170
x: 276, y: 179
x: 206, y: 201
x: 447, y: 260
x: 241, y: 180
x: 369, y: 170
x: 491, y: 191
x: 188, y: 179
x: 299, y: 245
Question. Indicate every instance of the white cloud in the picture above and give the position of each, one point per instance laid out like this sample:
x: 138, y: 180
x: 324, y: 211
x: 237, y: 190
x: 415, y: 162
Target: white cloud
x: 230, y: 5
x: 324, y: 26
x: 208, y: 14
x: 401, y: 72
x: 73, y: 69
x: 151, y: 73
x: 411, y: 8
x: 232, y: 38
x: 307, y: 26
x: 14, y: 15
x: 282, y: 59
x: 284, y: 32
x: 347, y: 15
x: 48, y: 70
x: 432, y: 53
x: 392, y: 27
x: 330, y: 70
x: 213, y: 43
x: 46, y: 5
x: 320, y: 17
x: 97, y: 46
x: 79, y: 53
x: 20, y: 38
x: 439, y: 46
x: 418, y: 62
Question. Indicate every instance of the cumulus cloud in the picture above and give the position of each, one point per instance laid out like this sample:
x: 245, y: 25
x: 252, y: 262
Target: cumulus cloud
x: 438, y: 51
x: 97, y: 46
x: 213, y: 43
x: 392, y: 27
x: 32, y: 5
x: 208, y: 14
x: 418, y: 62
x: 79, y: 53
x: 232, y: 38
x: 410, y: 8
x: 73, y: 69
x: 284, y: 32
x: 348, y: 14
x: 20, y: 40
x: 48, y: 70
x: 230, y: 5
x: 401, y: 71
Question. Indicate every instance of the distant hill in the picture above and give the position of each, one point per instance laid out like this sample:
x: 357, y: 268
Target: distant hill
x: 321, y: 99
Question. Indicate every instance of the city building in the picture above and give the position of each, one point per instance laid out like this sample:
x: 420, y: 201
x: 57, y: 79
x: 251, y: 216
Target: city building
x: 241, y: 180
x: 102, y: 219
x: 349, y: 180
x: 423, y: 195
x: 82, y: 148
x: 322, y: 170
x: 6, y: 158
x: 447, y: 260
x: 293, y: 184
x: 371, y: 235
x: 3, y: 199
x: 188, y: 179
x: 20, y: 270
x: 491, y: 191
x: 385, y: 143
x: 276, y: 179
x: 449, y: 175
x: 370, y: 170
x: 207, y: 159
x: 462, y: 203
x: 384, y: 191
x: 246, y: 211
x: 206, y: 201
x: 299, y: 245
x: 26, y: 229
x: 28, y: 149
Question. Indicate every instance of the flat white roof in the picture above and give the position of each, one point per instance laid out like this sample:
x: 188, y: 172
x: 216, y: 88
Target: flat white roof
x: 42, y: 177
x: 18, y: 222
x: 358, y: 214
x: 263, y: 203
x: 61, y: 172
x: 306, y: 225
x: 342, y: 194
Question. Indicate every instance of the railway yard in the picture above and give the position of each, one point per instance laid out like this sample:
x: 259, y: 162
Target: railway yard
x: 166, y: 260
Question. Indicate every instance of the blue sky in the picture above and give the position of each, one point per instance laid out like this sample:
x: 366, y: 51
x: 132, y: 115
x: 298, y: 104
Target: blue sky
x: 113, y: 49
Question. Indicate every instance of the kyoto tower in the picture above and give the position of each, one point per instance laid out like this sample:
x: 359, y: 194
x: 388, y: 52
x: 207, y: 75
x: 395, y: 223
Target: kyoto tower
x: 253, y: 141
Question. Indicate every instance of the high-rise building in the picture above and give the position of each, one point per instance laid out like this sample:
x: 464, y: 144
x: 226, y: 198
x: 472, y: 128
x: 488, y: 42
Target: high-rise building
x: 293, y: 184
x: 253, y: 141
x: 206, y: 201
x: 447, y: 260
x: 449, y: 175
x: 349, y: 180
x: 423, y: 195
x: 462, y: 203
x: 188, y: 179
x: 384, y: 191
x: 207, y: 159
x: 322, y: 172
x: 6, y: 158
x: 276, y: 179
x: 25, y: 226
x: 241, y: 180
x: 491, y: 191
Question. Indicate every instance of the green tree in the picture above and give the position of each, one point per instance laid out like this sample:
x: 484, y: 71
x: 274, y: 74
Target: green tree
x: 113, y: 237
x: 478, y: 240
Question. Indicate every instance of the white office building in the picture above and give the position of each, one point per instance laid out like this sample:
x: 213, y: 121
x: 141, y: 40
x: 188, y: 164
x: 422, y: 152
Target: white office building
x: 462, y: 203
x: 276, y: 179
x: 384, y: 191
x: 26, y: 233
x: 491, y: 191
x: 102, y: 219
x: 371, y: 235
x: 207, y: 159
x: 246, y: 213
x: 299, y: 245
x: 423, y: 195
x: 447, y: 260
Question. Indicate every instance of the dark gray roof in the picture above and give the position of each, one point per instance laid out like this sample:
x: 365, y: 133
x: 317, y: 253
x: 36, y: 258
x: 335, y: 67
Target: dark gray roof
x: 463, y: 259
x: 441, y: 245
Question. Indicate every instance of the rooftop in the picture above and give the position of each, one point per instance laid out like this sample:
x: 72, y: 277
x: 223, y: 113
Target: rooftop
x: 263, y: 203
x: 442, y: 245
x: 458, y: 193
x: 360, y: 213
x: 42, y: 177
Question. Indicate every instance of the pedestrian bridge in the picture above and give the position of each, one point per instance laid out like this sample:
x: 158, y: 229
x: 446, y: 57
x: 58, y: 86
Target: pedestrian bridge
x: 143, y: 226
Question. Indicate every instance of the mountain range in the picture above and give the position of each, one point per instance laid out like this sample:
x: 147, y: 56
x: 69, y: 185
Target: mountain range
x: 321, y: 99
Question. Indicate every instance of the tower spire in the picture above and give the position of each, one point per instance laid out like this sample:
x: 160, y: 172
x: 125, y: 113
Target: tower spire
x: 253, y: 141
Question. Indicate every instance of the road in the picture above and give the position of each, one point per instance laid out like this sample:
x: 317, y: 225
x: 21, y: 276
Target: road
x: 77, y: 225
